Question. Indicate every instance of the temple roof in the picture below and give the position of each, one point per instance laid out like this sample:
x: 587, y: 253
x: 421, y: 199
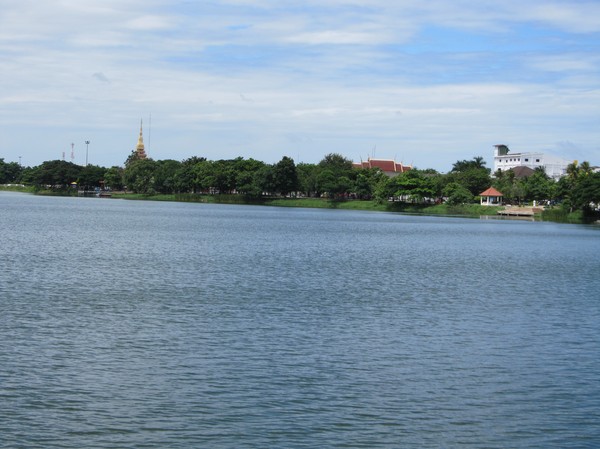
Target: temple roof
x: 385, y: 165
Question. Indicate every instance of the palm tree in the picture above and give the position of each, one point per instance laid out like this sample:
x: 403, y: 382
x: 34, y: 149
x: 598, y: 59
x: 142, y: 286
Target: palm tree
x: 585, y: 169
x: 573, y: 170
x: 478, y: 162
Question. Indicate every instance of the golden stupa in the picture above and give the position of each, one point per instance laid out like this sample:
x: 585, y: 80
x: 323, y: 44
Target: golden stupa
x: 139, y: 149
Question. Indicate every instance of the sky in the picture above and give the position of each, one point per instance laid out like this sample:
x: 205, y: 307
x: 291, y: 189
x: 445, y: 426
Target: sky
x: 424, y: 83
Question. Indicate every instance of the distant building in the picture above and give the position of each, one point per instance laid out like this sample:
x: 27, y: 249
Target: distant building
x: 139, y: 149
x: 555, y: 167
x: 388, y: 166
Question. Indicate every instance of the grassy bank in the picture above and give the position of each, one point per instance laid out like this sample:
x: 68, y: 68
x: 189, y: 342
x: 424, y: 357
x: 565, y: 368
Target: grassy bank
x: 560, y: 215
x: 37, y: 190
x: 16, y: 188
x: 469, y: 210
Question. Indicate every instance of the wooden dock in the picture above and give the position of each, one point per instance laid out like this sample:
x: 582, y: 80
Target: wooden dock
x: 515, y: 211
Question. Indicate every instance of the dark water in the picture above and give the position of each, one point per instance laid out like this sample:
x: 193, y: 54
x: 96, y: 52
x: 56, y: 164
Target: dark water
x: 169, y: 325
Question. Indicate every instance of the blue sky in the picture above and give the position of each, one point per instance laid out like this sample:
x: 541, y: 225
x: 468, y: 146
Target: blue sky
x: 426, y: 83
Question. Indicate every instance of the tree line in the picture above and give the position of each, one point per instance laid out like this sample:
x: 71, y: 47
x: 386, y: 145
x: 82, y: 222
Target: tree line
x: 333, y: 177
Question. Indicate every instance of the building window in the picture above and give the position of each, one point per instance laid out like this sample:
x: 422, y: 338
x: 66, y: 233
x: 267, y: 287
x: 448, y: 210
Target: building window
x: 537, y: 160
x: 526, y: 159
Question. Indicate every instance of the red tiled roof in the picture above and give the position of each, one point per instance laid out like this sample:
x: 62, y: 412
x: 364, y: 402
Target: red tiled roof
x: 382, y: 164
x: 402, y: 168
x: 491, y: 192
x: 363, y: 164
x: 385, y: 165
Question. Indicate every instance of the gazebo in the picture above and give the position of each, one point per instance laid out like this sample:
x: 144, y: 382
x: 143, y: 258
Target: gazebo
x: 491, y: 197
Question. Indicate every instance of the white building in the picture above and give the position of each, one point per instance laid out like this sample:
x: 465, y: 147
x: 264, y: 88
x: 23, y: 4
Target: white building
x: 504, y: 160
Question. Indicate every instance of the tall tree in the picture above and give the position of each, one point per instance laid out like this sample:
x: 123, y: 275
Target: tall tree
x: 165, y: 176
x: 186, y: 177
x: 57, y: 174
x: 307, y: 178
x: 286, y: 176
x: 473, y: 175
x: 9, y: 172
x: 91, y: 176
x: 113, y: 178
x: 139, y: 176
x: 539, y: 186
x: 366, y: 181
x: 335, y: 175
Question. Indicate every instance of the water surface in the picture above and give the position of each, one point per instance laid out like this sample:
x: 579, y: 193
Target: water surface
x: 154, y: 325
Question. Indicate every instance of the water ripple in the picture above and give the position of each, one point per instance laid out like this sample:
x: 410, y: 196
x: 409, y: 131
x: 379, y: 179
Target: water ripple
x: 151, y: 325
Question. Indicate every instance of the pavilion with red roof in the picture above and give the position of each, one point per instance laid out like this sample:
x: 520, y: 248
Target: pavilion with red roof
x: 491, y: 197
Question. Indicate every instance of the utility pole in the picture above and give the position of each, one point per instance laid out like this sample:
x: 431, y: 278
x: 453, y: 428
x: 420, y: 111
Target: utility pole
x: 87, y: 145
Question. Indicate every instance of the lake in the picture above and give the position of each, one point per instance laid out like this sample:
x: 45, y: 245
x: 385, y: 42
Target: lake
x: 181, y: 325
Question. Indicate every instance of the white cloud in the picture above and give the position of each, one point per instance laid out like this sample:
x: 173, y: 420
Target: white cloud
x: 574, y: 17
x: 566, y: 63
x: 149, y: 23
x: 336, y: 37
x: 322, y: 76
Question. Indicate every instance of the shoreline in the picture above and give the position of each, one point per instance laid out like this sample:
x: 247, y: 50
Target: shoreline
x: 444, y: 210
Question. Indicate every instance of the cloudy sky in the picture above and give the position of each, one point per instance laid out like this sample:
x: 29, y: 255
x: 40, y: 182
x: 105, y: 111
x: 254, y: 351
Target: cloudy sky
x: 426, y: 83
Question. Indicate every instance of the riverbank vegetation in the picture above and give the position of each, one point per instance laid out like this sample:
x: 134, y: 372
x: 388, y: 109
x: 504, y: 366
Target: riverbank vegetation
x: 332, y: 183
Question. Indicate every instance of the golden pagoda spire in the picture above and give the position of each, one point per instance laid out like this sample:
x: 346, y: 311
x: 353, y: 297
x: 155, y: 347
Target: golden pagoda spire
x: 140, y: 145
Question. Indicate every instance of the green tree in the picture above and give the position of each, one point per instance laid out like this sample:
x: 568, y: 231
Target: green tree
x: 579, y: 188
x: 265, y: 180
x: 505, y: 182
x: 204, y: 178
x: 411, y: 186
x: 245, y: 176
x: 186, y: 180
x: 9, y: 172
x: 307, y: 178
x: 366, y: 181
x: 337, y: 163
x: 139, y: 176
x: 29, y: 175
x: 331, y: 184
x: 473, y: 175
x: 476, y: 163
x: 457, y: 194
x: 586, y: 193
x: 539, y: 186
x: 91, y: 176
x: 224, y: 173
x: 334, y: 176
x: 285, y: 176
x: 165, y: 176
x: 113, y: 178
x: 133, y: 157
x: 576, y: 189
x: 57, y: 174
x: 384, y: 189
